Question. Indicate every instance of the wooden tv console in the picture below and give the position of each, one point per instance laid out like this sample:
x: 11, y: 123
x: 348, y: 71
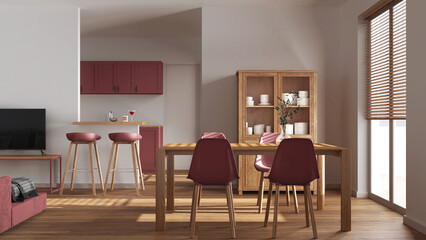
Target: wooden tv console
x: 49, y: 158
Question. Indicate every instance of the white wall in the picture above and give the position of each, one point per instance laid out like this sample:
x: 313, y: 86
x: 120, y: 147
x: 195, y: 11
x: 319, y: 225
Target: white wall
x: 39, y: 58
x: 176, y: 109
x: 170, y: 50
x: 416, y: 116
x: 181, y: 113
x: 346, y: 124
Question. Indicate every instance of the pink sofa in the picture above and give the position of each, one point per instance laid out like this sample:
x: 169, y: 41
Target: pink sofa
x: 12, y: 214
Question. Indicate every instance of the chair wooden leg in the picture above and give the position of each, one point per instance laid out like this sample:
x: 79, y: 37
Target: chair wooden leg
x: 92, y: 169
x: 232, y: 201
x: 194, y: 209
x: 139, y: 166
x: 73, y: 167
x: 305, y: 191
x: 287, y: 191
x: 200, y: 193
x: 311, y: 210
x: 268, y: 205
x: 260, y: 193
x: 115, y: 166
x: 109, y: 168
x: 99, y: 166
x: 277, y: 197
x: 192, y: 205
x: 66, y: 169
x: 135, y: 169
x: 296, y: 204
x: 230, y: 208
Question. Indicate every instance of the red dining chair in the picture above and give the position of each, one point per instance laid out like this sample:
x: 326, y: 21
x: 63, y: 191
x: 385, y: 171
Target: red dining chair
x: 263, y: 164
x: 204, y: 136
x: 294, y: 164
x: 213, y: 135
x: 213, y: 164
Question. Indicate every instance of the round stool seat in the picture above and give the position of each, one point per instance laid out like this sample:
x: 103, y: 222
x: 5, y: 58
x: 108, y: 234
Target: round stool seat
x: 83, y: 137
x: 124, y: 137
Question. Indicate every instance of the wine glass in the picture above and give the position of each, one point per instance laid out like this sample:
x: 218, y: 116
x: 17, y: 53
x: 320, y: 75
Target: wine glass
x: 132, y: 112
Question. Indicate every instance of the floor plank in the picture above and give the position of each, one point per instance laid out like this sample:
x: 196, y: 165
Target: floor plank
x: 123, y: 215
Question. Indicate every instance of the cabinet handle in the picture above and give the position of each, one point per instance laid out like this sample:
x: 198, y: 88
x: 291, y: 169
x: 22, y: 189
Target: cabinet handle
x: 136, y: 88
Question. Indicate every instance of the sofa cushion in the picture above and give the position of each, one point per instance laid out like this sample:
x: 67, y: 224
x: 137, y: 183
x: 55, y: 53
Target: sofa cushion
x: 5, y: 204
x: 24, y: 210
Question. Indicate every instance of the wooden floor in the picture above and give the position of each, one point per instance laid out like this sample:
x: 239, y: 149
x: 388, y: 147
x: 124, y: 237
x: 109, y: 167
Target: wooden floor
x: 122, y: 215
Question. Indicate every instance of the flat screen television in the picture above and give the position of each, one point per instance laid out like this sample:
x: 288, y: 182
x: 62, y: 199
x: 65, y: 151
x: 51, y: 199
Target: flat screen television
x: 23, y: 129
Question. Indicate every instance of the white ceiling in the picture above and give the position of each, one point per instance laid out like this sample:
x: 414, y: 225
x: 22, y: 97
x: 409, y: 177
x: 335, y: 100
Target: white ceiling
x: 151, y: 18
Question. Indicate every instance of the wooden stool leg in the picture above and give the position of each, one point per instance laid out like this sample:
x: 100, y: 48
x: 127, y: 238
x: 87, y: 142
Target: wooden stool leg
x: 109, y: 168
x: 115, y: 167
x: 296, y: 204
x: 194, y: 209
x: 287, y: 191
x: 92, y: 169
x: 73, y: 167
x: 277, y: 197
x: 230, y: 208
x: 66, y: 169
x: 311, y: 210
x: 139, y: 166
x: 305, y: 190
x: 260, y: 193
x: 135, y: 169
x: 99, y: 166
x: 268, y: 205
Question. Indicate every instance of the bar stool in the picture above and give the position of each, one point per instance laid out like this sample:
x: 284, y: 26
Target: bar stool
x: 125, y: 138
x: 77, y: 138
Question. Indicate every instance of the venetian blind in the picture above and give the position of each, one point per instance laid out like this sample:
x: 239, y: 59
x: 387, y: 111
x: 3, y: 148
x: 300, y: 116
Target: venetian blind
x: 386, y: 63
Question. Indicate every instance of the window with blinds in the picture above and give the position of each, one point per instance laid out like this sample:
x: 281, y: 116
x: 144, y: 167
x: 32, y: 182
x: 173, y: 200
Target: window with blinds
x: 386, y: 62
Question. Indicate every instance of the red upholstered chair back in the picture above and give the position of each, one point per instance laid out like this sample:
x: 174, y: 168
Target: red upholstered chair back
x: 266, y: 160
x: 213, y: 135
x: 213, y: 163
x: 295, y: 163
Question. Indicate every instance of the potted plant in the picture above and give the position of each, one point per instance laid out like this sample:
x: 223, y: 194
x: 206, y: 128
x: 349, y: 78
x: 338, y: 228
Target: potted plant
x: 286, y: 110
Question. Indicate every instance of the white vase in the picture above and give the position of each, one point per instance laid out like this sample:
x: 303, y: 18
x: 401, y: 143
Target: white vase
x: 282, y: 135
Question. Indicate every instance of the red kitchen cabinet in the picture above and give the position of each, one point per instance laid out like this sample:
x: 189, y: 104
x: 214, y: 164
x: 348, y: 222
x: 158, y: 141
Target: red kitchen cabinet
x: 146, y: 77
x: 152, y: 139
x: 121, y: 77
x: 105, y: 78
x: 87, y: 77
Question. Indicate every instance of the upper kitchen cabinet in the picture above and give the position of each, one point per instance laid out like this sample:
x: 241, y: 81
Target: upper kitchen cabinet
x: 146, y: 77
x: 121, y: 77
x: 105, y: 78
x: 87, y: 77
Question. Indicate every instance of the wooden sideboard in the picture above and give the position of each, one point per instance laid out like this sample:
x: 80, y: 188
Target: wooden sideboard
x: 275, y: 82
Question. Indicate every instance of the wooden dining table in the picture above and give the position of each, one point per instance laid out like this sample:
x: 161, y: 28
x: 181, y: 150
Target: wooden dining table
x: 168, y: 152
